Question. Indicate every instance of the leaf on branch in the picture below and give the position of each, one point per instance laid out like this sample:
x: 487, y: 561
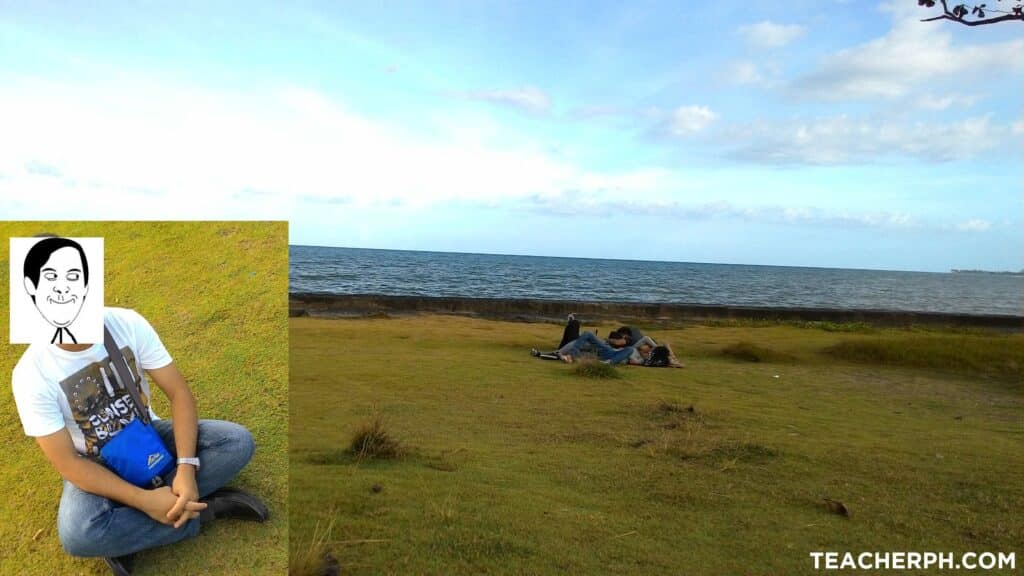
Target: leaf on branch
x: 926, y: 3
x: 959, y: 10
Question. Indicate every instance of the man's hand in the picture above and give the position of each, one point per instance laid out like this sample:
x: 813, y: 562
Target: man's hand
x: 187, y: 506
x: 157, y: 502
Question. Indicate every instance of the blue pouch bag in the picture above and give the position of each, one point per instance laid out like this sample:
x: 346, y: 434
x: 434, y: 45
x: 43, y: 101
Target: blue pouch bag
x: 137, y: 453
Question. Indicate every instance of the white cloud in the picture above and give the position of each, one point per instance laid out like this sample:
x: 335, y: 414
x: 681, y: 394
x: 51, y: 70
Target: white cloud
x: 687, y: 120
x: 909, y: 56
x: 1018, y: 127
x: 932, y: 102
x: 768, y: 34
x: 844, y: 140
x: 527, y: 98
x: 744, y: 72
x: 974, y: 225
x: 189, y: 153
x: 571, y: 203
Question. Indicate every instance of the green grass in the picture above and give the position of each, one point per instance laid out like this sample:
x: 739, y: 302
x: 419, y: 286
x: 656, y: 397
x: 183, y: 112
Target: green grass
x: 987, y: 356
x: 217, y: 294
x: 593, y: 368
x: 750, y: 352
x: 517, y: 466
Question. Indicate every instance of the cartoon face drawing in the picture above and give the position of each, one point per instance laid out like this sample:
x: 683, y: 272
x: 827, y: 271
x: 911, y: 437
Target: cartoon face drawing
x: 57, y: 279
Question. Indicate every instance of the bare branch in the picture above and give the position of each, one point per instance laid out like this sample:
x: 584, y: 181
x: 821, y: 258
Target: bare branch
x: 1005, y: 18
x: 948, y: 15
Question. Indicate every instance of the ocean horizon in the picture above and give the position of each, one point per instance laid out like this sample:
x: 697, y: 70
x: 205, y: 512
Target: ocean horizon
x: 340, y: 270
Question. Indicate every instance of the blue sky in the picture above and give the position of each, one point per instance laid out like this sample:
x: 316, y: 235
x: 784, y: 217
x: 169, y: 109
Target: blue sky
x: 842, y: 134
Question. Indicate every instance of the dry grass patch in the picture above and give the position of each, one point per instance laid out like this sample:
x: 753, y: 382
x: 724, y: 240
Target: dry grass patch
x: 373, y: 441
x: 314, y: 559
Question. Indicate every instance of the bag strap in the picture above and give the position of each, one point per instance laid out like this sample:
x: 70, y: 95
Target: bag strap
x: 124, y: 373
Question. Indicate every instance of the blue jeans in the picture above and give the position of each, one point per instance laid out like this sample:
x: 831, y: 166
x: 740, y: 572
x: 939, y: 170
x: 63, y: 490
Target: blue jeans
x: 91, y: 525
x: 605, y: 352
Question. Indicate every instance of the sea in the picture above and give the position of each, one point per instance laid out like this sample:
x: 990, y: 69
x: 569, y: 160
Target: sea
x: 329, y: 270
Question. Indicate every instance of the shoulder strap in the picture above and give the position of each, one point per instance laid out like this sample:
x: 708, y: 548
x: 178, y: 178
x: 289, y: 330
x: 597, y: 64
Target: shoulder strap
x: 124, y: 374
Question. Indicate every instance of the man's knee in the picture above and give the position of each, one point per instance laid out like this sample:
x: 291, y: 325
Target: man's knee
x: 77, y: 536
x: 227, y: 436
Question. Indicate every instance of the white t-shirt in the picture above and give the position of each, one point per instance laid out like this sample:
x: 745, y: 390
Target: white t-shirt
x: 56, y: 389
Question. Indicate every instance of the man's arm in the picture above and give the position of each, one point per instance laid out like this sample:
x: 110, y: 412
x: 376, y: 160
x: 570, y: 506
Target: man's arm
x: 185, y: 421
x: 95, y: 479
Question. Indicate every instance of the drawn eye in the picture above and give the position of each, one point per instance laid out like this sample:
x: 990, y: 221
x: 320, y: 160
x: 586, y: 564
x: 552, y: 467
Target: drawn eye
x: 51, y: 276
x: 73, y: 276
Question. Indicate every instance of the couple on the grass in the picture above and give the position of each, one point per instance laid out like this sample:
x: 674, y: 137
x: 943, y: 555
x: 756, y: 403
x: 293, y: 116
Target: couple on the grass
x: 76, y: 399
x: 627, y: 345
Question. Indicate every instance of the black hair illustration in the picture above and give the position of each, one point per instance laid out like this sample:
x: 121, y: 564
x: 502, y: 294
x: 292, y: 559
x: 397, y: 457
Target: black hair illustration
x: 40, y: 253
x: 62, y: 286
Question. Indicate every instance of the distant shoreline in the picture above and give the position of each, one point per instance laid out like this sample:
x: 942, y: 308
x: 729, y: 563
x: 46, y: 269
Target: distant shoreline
x: 999, y: 272
x: 537, y: 310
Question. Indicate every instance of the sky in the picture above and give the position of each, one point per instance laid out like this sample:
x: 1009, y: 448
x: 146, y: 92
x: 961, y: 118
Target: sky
x: 805, y: 133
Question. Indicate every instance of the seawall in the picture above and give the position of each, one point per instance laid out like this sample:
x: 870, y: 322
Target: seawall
x: 530, y: 310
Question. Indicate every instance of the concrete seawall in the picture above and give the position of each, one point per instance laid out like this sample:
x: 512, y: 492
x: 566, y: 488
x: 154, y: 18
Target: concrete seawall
x: 358, y: 305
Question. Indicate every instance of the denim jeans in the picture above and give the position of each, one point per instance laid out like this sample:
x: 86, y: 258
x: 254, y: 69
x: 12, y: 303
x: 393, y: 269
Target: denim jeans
x: 91, y: 525
x: 605, y: 352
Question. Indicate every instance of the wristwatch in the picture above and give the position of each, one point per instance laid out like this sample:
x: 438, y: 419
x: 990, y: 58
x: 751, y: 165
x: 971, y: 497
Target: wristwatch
x: 192, y: 461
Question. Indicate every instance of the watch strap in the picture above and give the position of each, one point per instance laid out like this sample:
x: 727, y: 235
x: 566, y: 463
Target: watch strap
x: 192, y: 461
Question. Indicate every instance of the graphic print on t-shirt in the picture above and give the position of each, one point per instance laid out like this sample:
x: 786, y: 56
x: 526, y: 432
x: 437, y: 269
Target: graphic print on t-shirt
x: 100, y: 404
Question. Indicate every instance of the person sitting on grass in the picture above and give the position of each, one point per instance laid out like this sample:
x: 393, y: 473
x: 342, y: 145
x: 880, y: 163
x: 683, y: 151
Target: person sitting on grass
x: 70, y: 398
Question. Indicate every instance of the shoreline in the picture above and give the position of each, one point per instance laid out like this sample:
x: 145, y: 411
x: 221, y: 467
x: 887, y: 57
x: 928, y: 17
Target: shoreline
x: 664, y: 314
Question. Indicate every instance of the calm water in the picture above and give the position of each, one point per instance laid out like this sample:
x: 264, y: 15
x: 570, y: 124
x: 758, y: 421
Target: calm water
x: 399, y: 272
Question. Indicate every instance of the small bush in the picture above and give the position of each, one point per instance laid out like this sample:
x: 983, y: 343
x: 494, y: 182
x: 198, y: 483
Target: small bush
x: 590, y: 368
x: 373, y: 441
x: 314, y: 559
x: 749, y: 352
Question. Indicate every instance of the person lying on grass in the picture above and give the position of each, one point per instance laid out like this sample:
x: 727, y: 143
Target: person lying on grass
x: 625, y: 345
x: 70, y: 399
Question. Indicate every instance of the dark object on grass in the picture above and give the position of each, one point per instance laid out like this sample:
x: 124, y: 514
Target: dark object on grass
x: 372, y: 440
x: 376, y: 488
x: 330, y: 566
x: 659, y: 358
x: 571, y: 332
x: 591, y: 368
x: 232, y: 503
x: 836, y: 507
x: 121, y: 565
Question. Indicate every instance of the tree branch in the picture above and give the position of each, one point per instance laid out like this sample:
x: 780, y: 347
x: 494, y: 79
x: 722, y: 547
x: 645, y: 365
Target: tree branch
x: 950, y: 16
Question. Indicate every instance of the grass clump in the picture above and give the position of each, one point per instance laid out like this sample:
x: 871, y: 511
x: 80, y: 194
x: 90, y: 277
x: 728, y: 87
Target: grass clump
x: 314, y: 559
x: 996, y: 357
x: 750, y: 352
x: 856, y: 327
x: 592, y: 368
x: 372, y: 440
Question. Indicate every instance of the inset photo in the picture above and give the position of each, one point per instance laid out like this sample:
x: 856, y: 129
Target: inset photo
x: 145, y: 416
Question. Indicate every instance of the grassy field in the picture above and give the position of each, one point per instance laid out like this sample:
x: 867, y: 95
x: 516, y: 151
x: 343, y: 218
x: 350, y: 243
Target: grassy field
x: 216, y: 293
x: 511, y: 465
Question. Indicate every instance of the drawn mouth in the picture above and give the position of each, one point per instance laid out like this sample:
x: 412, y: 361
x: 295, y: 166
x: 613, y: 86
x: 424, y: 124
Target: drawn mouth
x: 70, y: 301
